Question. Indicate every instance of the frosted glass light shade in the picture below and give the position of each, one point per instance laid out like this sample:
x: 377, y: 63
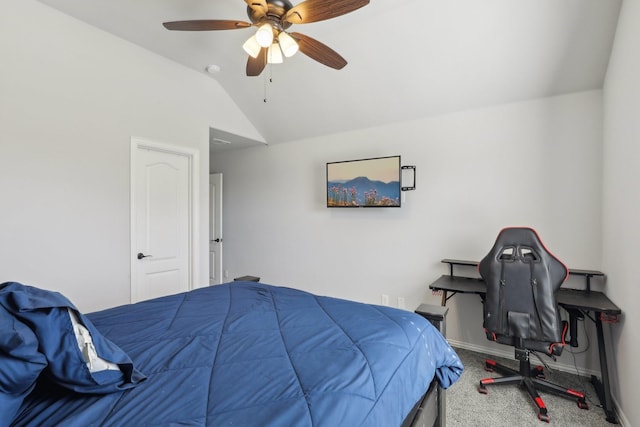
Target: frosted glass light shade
x: 287, y: 44
x: 274, y: 54
x: 252, y: 47
x: 264, y: 35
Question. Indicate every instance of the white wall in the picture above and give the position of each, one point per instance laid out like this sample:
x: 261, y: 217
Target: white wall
x: 621, y: 204
x: 71, y: 97
x: 534, y: 163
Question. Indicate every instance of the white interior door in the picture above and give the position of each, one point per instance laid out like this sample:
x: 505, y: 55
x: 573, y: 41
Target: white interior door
x: 215, y: 229
x: 162, y: 229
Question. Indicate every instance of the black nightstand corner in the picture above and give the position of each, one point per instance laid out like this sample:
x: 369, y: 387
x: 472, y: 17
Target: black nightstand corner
x: 436, y: 314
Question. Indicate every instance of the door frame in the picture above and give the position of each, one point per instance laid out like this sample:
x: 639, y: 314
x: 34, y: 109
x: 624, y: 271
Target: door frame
x: 193, y: 157
x: 212, y: 227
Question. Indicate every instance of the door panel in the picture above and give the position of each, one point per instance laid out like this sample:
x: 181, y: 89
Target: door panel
x: 161, y: 224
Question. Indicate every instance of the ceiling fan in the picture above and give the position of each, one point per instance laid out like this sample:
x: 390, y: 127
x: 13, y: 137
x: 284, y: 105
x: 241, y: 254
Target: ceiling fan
x: 271, y: 40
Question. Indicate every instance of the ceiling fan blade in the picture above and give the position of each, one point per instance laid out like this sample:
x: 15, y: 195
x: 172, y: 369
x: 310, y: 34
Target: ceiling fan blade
x: 319, y: 51
x: 206, y: 25
x: 319, y: 10
x: 257, y: 64
x: 259, y: 7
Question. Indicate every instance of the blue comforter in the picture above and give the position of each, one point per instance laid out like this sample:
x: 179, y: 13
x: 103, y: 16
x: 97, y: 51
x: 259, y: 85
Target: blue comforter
x: 250, y: 354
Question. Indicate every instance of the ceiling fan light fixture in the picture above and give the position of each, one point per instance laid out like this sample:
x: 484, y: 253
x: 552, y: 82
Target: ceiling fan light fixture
x: 272, y: 19
x: 274, y: 54
x: 264, y: 35
x: 288, y: 45
x: 252, y: 47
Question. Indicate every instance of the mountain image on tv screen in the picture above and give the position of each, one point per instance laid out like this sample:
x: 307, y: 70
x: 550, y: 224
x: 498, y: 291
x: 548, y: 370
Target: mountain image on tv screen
x: 364, y: 183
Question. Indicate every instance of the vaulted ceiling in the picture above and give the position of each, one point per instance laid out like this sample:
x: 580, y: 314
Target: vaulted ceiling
x: 407, y: 59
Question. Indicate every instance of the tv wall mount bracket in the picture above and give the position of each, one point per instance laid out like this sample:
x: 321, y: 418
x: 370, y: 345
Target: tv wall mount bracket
x: 411, y: 178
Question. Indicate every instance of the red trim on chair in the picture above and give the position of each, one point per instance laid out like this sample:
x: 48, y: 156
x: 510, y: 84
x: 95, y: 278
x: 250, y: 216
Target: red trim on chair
x: 563, y: 343
x: 540, y: 402
x: 493, y: 334
x: 576, y: 393
x: 552, y: 254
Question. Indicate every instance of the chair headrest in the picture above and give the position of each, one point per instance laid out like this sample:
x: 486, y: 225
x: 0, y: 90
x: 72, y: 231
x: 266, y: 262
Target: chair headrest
x: 522, y: 244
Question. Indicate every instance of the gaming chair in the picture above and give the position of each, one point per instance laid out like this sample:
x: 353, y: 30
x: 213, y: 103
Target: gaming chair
x: 521, y: 310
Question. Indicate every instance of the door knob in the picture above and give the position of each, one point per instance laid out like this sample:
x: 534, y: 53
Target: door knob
x: 141, y: 255
x: 218, y: 240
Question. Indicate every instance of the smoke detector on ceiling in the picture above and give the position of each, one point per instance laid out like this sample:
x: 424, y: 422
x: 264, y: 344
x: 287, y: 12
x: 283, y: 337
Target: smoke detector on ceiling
x: 213, y: 69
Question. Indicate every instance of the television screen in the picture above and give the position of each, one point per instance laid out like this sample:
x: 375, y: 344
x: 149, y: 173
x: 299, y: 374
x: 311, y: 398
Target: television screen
x: 366, y: 183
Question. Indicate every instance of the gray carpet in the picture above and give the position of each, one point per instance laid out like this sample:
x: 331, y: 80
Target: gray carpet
x: 510, y: 405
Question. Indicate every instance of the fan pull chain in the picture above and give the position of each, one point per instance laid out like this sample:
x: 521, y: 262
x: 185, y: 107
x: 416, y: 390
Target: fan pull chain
x: 265, y: 82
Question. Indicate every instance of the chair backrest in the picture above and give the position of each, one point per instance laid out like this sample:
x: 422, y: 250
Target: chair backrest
x: 523, y: 279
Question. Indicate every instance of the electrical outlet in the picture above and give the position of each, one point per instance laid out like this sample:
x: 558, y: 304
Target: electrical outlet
x: 226, y: 274
x: 384, y: 299
x: 401, y: 303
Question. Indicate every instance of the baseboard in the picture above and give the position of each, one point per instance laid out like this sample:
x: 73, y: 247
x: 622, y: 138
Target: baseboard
x: 622, y: 419
x: 493, y: 351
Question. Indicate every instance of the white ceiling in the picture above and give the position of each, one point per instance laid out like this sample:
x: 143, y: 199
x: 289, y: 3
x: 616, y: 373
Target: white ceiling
x: 407, y: 59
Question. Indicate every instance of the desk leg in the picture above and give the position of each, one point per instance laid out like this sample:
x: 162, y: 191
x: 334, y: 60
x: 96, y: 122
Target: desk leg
x: 602, y: 388
x: 443, y: 302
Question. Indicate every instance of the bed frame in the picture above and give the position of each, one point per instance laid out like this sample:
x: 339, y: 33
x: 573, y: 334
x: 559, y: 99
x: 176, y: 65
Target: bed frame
x: 430, y: 410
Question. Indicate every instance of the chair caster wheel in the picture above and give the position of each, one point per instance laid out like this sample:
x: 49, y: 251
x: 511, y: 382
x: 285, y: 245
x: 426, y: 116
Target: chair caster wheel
x: 538, y: 372
x: 482, y: 389
x: 583, y: 405
x: 544, y: 417
x: 489, y: 365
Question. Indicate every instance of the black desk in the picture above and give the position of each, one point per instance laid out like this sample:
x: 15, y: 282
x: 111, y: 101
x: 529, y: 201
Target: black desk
x: 570, y: 299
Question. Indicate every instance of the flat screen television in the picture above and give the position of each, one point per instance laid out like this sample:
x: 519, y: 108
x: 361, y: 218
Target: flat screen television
x: 364, y: 183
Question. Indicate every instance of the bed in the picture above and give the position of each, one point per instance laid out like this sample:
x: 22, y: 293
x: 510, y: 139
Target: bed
x: 237, y: 354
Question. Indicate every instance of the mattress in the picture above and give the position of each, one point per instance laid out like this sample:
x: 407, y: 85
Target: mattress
x: 252, y: 354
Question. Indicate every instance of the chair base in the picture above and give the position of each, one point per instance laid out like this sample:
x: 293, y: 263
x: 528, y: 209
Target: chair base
x: 532, y: 380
